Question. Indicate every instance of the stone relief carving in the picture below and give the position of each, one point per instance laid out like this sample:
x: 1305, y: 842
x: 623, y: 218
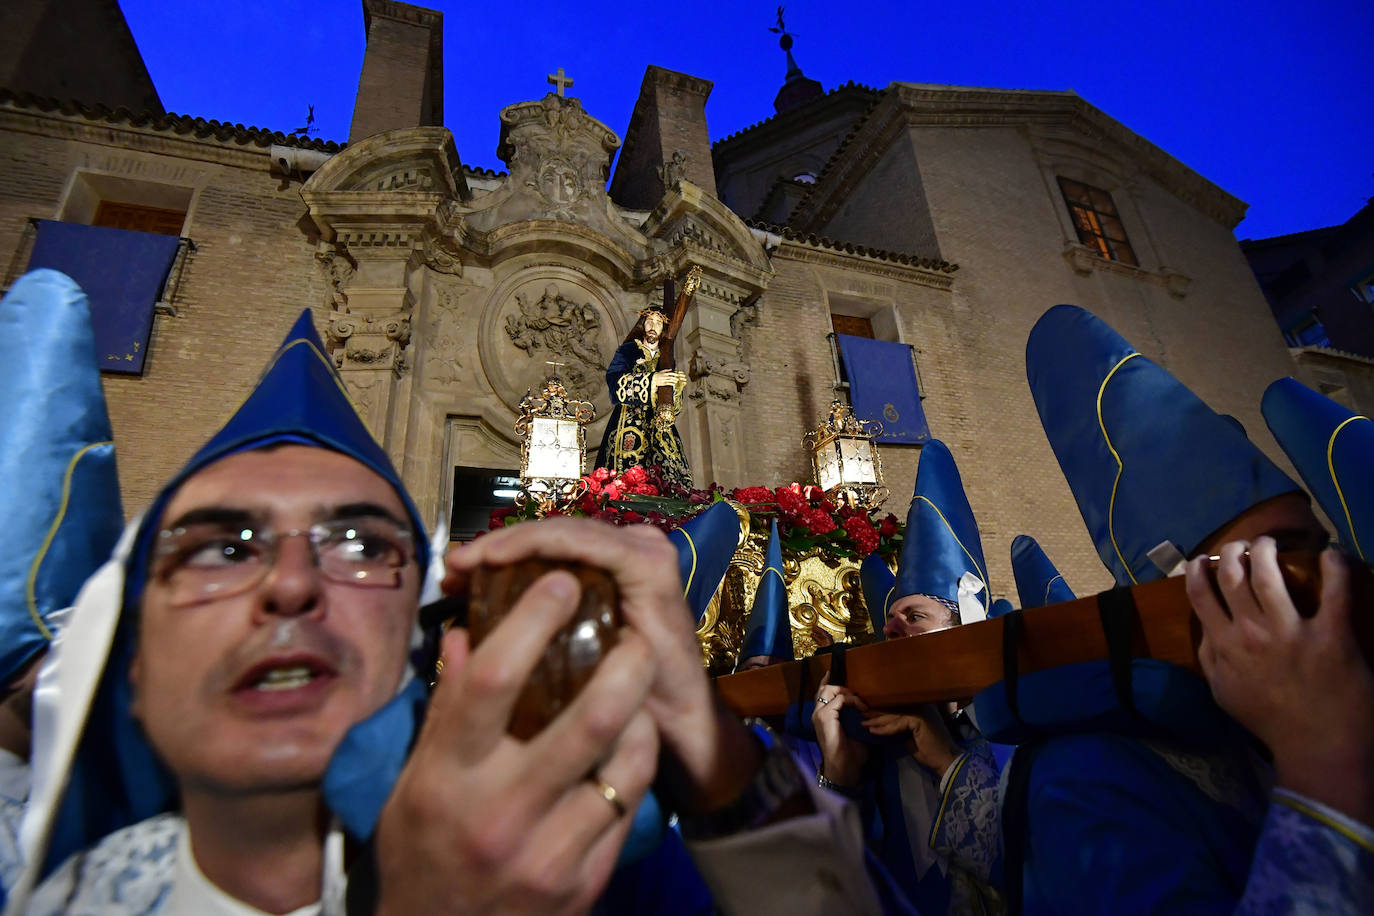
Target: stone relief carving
x: 561, y: 327
x: 338, y: 270
x: 370, y: 342
x: 673, y: 170
x: 444, y: 366
x: 560, y: 186
x: 718, y: 376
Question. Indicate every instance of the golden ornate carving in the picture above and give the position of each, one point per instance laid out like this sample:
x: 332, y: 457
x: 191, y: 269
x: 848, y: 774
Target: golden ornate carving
x: 824, y: 596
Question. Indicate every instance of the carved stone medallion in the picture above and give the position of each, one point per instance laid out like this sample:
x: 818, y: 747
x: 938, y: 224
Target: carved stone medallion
x: 545, y: 315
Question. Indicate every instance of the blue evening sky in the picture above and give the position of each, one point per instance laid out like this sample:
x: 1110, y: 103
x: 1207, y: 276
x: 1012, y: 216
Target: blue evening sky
x: 1270, y: 100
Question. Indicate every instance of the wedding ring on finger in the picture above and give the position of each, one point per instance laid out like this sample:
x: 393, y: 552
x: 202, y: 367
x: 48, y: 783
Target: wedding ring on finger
x: 608, y: 792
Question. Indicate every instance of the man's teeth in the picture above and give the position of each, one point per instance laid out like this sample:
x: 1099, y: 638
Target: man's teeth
x: 285, y: 678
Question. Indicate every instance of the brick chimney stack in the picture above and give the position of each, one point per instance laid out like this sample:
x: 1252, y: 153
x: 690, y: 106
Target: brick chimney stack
x: 666, y: 140
x: 402, y: 84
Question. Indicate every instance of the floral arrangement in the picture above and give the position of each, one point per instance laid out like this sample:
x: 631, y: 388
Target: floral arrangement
x: 806, y: 517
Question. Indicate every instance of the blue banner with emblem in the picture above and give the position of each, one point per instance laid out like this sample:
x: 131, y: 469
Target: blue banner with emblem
x: 882, y: 387
x: 122, y: 273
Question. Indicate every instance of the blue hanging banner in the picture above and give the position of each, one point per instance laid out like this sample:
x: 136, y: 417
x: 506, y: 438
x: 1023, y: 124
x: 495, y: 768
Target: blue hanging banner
x: 121, y: 272
x: 882, y: 387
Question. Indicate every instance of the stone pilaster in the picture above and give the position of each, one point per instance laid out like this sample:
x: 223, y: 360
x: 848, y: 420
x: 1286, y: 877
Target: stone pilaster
x: 384, y: 208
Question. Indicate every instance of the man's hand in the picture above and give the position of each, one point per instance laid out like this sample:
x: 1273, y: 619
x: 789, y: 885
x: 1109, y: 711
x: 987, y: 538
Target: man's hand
x: 480, y: 822
x: 1300, y: 685
x: 669, y: 377
x: 842, y: 757
x: 715, y: 754
x: 931, y: 743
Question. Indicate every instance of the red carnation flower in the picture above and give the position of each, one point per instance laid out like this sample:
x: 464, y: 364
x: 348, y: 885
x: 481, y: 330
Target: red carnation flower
x: 818, y: 522
x: 634, y: 477
x: 790, y: 503
x: 611, y: 491
x: 863, y: 534
x: 888, y: 527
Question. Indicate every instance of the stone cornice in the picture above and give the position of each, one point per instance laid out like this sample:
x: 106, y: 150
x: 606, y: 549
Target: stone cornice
x: 933, y: 265
x: 672, y: 79
x: 1328, y: 354
x: 799, y: 250
x: 167, y: 123
x: 127, y: 138
x: 923, y: 105
x: 849, y: 95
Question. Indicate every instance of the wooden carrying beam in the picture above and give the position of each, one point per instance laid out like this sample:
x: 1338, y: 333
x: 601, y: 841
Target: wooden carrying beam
x: 956, y: 663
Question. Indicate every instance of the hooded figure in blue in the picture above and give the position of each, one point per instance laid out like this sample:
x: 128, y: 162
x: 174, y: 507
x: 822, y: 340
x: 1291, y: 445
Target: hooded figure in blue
x: 1333, y: 450
x: 876, y: 579
x: 61, y: 492
x: 1148, y: 499
x: 705, y: 546
x: 253, y: 624
x: 1156, y: 807
x: 1038, y: 583
x: 942, y: 578
x: 928, y: 783
x: 768, y: 638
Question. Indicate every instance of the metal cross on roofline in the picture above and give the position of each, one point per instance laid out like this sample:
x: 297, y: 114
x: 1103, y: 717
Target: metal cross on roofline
x: 559, y: 80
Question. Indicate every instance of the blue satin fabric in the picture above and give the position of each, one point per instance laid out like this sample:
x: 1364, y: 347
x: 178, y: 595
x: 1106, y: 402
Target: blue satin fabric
x: 705, y: 545
x: 1184, y: 470
x: 882, y: 387
x: 1333, y: 450
x: 770, y: 629
x: 116, y: 778
x: 57, y: 463
x: 122, y: 272
x: 942, y: 541
x: 876, y: 580
x: 1000, y: 608
x: 1038, y: 583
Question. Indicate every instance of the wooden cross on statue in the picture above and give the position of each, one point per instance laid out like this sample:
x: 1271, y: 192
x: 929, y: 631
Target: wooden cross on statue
x: 559, y: 80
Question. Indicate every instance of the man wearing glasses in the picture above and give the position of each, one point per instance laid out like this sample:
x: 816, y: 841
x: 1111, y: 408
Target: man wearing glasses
x: 266, y: 606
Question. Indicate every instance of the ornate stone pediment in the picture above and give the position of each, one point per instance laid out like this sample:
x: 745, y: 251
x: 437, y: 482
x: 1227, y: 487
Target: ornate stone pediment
x: 689, y: 218
x: 420, y: 159
x: 559, y: 157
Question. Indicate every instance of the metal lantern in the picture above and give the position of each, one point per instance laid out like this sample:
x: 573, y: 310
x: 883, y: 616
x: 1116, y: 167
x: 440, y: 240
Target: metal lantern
x: 553, y: 444
x: 845, y: 458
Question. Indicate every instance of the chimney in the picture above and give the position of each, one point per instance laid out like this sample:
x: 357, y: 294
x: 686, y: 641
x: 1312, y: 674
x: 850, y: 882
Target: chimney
x: 666, y: 140
x: 402, y: 84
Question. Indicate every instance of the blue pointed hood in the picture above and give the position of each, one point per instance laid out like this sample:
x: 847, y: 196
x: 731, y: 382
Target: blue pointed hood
x: 299, y: 398
x: 942, y: 542
x: 1148, y: 462
x: 1333, y: 450
x: 57, y: 462
x: 705, y: 546
x: 770, y: 627
x: 877, y: 581
x: 116, y: 778
x: 1038, y: 583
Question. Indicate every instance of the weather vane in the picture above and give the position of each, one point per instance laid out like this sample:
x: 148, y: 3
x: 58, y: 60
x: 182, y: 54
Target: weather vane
x: 307, y: 130
x: 785, y: 42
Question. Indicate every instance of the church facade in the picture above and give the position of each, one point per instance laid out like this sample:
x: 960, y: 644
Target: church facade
x: 946, y: 218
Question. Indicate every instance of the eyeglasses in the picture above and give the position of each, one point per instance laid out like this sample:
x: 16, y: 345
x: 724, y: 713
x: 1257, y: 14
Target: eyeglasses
x: 207, y: 561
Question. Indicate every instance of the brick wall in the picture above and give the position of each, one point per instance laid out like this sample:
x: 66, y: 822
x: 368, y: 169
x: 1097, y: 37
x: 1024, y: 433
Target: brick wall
x: 395, y: 87
x: 997, y: 217
x: 253, y: 272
